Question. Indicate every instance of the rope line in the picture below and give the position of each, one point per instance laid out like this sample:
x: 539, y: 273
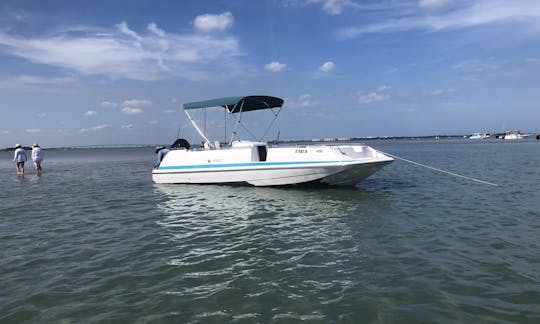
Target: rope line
x: 440, y: 170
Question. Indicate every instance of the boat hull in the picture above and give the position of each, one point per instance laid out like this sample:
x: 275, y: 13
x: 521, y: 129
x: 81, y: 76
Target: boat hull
x: 332, y: 165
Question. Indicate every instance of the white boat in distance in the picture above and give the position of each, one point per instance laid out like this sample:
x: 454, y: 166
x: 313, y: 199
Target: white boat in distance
x: 259, y: 164
x: 479, y: 136
x: 513, y: 135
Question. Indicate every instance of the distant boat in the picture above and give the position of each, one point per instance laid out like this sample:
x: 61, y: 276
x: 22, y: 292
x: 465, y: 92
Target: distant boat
x: 257, y: 163
x: 513, y: 135
x: 479, y: 136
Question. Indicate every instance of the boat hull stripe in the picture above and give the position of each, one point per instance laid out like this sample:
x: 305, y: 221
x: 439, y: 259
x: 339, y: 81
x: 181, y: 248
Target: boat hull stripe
x: 251, y: 164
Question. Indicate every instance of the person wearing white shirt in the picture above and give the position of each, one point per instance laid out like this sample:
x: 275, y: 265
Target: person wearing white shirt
x: 37, y: 157
x: 19, y: 158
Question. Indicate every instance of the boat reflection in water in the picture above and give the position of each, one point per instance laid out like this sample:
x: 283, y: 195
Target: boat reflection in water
x: 225, y: 238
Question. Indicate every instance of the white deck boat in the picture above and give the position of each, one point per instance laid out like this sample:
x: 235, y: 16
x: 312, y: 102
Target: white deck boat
x: 259, y: 164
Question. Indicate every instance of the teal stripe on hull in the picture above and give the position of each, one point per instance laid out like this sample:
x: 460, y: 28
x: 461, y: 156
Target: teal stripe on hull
x: 239, y: 165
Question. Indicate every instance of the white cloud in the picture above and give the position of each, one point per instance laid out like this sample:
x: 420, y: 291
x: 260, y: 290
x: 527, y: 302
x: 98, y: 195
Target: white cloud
x: 120, y: 52
x: 153, y: 122
x: 334, y: 7
x: 124, y: 29
x: 108, y: 104
x: 137, y: 103
x: 209, y: 23
x: 41, y: 115
x: 327, y: 67
x: 372, y: 97
x: 132, y: 111
x: 90, y: 113
x: 155, y: 29
x: 305, y: 100
x: 128, y: 126
x: 94, y: 129
x: 477, y: 13
x: 380, y: 94
x: 275, y: 66
x: 169, y: 111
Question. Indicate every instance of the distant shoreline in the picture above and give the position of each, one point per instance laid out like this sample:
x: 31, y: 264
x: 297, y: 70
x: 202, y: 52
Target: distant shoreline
x: 79, y: 147
x: 340, y: 139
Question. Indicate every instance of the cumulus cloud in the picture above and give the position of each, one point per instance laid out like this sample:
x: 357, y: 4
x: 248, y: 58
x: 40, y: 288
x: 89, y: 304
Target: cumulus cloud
x: 327, y: 67
x: 305, y: 100
x: 380, y: 94
x: 90, y: 113
x: 120, y: 52
x: 137, y: 103
x: 108, y: 104
x: 132, y: 111
x: 275, y: 66
x: 209, y: 23
x: 134, y: 106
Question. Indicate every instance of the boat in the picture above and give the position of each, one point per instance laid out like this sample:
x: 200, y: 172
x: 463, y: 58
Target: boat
x: 479, y: 136
x: 513, y: 135
x: 261, y: 163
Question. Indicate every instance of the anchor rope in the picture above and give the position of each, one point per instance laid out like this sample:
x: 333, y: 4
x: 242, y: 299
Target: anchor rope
x: 440, y: 170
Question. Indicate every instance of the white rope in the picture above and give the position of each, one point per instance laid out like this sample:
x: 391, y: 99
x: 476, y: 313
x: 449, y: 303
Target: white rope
x: 439, y: 170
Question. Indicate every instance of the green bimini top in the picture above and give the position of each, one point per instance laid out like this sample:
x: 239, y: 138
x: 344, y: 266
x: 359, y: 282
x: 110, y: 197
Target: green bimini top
x: 238, y: 104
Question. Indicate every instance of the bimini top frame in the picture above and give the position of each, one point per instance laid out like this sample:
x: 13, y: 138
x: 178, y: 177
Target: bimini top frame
x: 235, y: 105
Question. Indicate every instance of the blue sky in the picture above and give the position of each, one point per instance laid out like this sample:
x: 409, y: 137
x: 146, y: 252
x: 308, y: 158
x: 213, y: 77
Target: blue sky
x: 117, y: 72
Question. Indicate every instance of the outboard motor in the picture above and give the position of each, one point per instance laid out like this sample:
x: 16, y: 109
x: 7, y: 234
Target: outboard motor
x: 181, y: 143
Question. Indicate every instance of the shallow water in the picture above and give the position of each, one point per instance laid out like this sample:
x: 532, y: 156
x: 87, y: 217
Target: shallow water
x: 93, y: 239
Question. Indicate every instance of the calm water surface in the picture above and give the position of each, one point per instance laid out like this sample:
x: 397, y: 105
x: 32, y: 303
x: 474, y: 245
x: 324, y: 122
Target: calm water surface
x: 94, y: 240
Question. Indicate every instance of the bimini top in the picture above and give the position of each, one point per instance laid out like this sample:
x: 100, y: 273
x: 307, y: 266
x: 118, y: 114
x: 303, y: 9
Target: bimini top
x: 238, y: 104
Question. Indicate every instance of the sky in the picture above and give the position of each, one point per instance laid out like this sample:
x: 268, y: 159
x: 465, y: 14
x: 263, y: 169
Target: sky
x: 104, y: 72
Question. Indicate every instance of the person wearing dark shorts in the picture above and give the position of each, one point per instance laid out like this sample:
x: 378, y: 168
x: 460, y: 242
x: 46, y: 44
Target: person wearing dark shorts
x: 19, y: 158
